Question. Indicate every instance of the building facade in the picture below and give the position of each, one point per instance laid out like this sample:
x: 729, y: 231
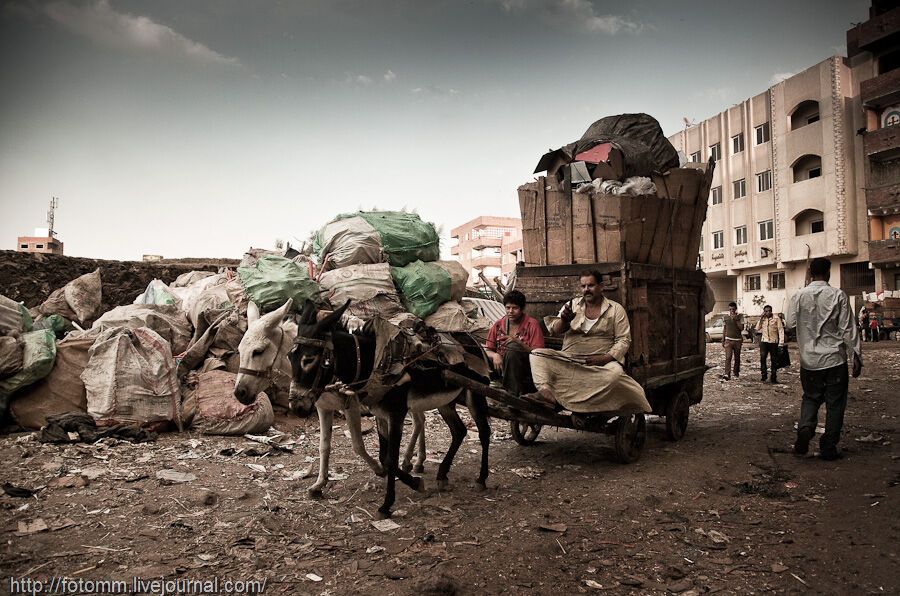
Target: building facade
x: 41, y: 242
x: 873, y: 50
x: 489, y: 245
x: 789, y: 185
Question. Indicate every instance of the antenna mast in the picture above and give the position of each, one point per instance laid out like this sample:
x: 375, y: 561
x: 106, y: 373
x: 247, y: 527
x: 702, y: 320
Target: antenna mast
x: 54, y: 203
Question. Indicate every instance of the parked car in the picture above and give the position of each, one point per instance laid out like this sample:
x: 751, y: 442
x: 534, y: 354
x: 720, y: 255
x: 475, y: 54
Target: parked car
x: 715, y: 329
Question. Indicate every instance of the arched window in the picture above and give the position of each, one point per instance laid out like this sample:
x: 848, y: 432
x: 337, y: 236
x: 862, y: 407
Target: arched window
x: 809, y: 221
x: 805, y: 113
x: 806, y: 167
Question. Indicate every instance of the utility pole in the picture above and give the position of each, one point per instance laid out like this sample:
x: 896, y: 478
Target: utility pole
x: 54, y: 203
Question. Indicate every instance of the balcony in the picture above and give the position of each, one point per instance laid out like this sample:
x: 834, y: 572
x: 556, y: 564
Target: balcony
x: 882, y: 144
x: 485, y: 242
x: 883, y: 198
x: 482, y: 262
x: 881, y: 91
x: 873, y: 34
x: 884, y: 252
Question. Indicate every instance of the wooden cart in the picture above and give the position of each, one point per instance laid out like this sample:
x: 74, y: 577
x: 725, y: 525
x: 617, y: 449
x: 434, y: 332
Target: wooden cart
x: 667, y: 355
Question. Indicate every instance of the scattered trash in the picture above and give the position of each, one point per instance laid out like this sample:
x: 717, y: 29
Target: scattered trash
x: 313, y: 577
x: 553, y: 527
x: 17, y: 491
x: 779, y: 568
x: 168, y: 476
x: 32, y: 527
x: 870, y: 438
x: 384, y: 525
x: 527, y: 472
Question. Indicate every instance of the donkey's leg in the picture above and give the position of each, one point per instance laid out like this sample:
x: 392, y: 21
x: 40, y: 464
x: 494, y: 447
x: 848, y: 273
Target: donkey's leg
x: 478, y: 408
x: 326, y: 417
x: 457, y: 434
x: 395, y: 416
x: 417, y: 439
x: 359, y: 446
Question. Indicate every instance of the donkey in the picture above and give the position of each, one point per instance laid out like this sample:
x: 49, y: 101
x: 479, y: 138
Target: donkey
x: 324, y: 354
x: 264, y: 353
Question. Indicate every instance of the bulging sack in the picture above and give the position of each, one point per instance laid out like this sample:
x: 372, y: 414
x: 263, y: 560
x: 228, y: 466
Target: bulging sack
x: 38, y: 354
x: 166, y: 320
x: 272, y: 280
x: 214, y: 410
x: 423, y: 287
x: 14, y: 317
x: 131, y: 379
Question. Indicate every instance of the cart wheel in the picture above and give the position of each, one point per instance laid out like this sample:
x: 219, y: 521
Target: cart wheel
x: 677, y: 412
x: 524, y: 433
x: 631, y: 432
x: 708, y: 339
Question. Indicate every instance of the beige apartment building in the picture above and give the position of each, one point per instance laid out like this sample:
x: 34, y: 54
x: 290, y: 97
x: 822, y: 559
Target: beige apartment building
x: 489, y: 245
x: 788, y: 185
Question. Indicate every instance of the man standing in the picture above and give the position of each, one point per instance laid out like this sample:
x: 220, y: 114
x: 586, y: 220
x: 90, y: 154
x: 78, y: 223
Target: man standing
x: 771, y: 340
x: 587, y: 375
x: 732, y: 340
x: 826, y: 335
x: 509, y: 342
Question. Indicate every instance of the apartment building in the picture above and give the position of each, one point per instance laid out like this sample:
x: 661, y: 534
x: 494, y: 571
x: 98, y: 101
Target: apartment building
x: 873, y: 50
x: 489, y: 245
x: 43, y: 241
x: 788, y: 186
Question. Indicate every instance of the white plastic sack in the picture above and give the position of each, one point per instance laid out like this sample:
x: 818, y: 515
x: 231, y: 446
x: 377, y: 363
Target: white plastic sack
x: 158, y: 292
x: 84, y: 296
x: 168, y: 321
x: 186, y: 279
x: 358, y: 283
x: 130, y: 379
x: 350, y: 241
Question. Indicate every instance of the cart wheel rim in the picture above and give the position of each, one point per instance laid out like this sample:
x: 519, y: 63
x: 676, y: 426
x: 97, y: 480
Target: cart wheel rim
x: 525, y: 433
x: 631, y: 436
x: 677, y: 415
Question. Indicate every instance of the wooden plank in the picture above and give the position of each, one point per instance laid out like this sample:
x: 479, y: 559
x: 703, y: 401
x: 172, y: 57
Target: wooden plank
x: 650, y: 213
x: 662, y: 235
x: 582, y: 229
x: 565, y: 270
x: 540, y: 220
x: 557, y: 241
x: 565, y: 214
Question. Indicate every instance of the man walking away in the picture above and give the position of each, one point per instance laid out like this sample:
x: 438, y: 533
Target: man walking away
x: 771, y: 340
x: 864, y: 322
x: 826, y: 335
x: 732, y: 340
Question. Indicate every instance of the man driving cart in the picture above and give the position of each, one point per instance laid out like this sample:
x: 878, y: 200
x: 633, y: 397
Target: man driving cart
x: 587, y: 376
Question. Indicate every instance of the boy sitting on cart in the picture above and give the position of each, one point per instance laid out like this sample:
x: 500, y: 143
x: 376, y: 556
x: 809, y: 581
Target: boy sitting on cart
x: 586, y: 376
x: 509, y: 342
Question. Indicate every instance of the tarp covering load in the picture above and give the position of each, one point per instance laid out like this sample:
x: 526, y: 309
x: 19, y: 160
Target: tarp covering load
x: 210, y: 407
x: 451, y: 317
x: 130, y: 379
x: 38, y: 353
x: 370, y: 289
x: 637, y: 147
x: 14, y: 317
x: 376, y: 236
x: 62, y: 390
x: 272, y: 280
x: 168, y: 321
x: 423, y: 287
x: 79, y: 300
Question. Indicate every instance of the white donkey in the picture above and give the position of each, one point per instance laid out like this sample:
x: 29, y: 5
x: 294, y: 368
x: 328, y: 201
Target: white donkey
x: 264, y: 356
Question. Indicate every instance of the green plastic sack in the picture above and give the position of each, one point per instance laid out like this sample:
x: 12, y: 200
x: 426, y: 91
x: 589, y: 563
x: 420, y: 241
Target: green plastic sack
x: 39, y: 353
x: 58, y: 324
x: 14, y: 317
x: 423, y: 287
x: 404, y: 236
x: 272, y: 280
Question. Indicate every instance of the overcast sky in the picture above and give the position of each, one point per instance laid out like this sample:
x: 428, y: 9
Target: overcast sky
x: 203, y: 128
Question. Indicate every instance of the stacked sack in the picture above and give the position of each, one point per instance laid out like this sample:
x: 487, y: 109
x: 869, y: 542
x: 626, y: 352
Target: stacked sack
x: 386, y: 263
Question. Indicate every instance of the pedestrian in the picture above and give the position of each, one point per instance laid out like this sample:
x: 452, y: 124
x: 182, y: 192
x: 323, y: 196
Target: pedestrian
x: 827, y: 336
x: 771, y: 341
x: 732, y: 339
x: 864, y: 323
x: 873, y: 327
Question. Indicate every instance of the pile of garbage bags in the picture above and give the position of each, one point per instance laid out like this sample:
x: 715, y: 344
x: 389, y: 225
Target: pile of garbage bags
x: 169, y: 360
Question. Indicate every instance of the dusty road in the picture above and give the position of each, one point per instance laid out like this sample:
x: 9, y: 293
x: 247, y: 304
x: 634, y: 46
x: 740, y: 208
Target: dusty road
x: 728, y: 509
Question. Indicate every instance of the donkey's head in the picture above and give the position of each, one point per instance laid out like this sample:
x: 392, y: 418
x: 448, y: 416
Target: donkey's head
x: 260, y: 348
x: 312, y: 359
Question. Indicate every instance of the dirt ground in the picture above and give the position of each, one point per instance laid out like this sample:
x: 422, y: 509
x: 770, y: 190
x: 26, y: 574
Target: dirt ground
x: 728, y: 509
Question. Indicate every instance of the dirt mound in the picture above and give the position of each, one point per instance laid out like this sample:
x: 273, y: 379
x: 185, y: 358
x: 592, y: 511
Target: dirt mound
x: 30, y: 278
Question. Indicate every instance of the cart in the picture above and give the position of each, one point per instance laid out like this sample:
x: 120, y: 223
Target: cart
x: 667, y: 355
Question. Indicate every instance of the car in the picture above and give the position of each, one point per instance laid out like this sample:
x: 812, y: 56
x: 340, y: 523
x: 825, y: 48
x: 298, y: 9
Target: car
x: 715, y: 329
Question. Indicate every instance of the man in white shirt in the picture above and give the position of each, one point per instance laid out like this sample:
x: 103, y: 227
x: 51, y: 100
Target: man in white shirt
x: 826, y: 335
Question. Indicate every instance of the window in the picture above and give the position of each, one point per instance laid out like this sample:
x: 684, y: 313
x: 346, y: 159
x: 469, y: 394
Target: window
x: 717, y: 195
x: 816, y: 226
x: 753, y: 282
x: 813, y: 118
x: 23, y: 246
x: 718, y: 239
x: 809, y: 221
x: 805, y: 113
x: 715, y: 152
x: 740, y: 235
x: 39, y: 246
x: 695, y: 157
x: 766, y: 230
x: 737, y: 143
x: 762, y: 133
x: 776, y: 280
x: 814, y: 172
x: 764, y: 181
x: 740, y: 188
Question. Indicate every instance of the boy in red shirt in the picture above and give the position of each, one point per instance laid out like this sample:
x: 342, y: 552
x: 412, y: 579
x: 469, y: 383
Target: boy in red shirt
x: 509, y: 342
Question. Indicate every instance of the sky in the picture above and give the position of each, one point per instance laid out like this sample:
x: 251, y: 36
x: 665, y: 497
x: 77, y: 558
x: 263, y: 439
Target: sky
x: 202, y: 128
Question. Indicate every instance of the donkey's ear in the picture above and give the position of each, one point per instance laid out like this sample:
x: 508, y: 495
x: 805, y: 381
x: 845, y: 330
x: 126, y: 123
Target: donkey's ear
x: 331, y: 320
x: 284, y: 310
x: 252, y: 313
x: 308, y: 315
